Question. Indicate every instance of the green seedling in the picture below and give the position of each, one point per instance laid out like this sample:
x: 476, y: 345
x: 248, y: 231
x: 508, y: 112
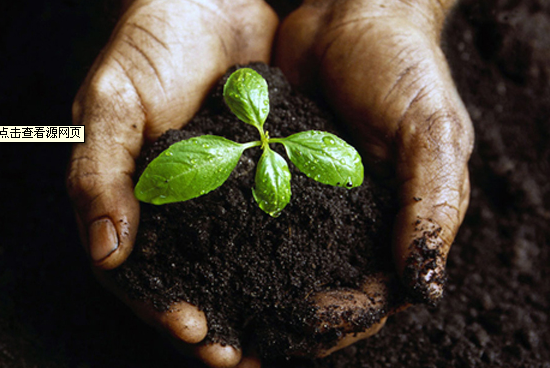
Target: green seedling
x: 196, y: 166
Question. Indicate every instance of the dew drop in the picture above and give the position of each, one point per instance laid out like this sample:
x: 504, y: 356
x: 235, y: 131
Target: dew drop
x: 349, y: 184
x: 205, y: 145
x: 266, y: 102
x: 162, y: 196
x: 329, y: 140
x: 169, y: 154
x: 342, y: 161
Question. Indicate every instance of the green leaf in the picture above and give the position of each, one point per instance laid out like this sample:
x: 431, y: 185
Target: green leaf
x: 188, y: 169
x: 325, y: 158
x: 246, y: 94
x: 272, y: 192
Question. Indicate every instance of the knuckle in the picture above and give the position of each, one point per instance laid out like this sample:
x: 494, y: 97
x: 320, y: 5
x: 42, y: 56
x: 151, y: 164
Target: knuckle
x: 111, y: 93
x: 81, y: 184
x: 443, y: 132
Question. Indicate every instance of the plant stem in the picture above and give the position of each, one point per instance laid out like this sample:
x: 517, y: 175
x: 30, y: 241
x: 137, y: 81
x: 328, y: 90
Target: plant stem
x: 276, y: 140
x: 252, y: 144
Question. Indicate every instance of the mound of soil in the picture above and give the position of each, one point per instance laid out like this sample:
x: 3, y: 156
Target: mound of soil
x: 253, y: 275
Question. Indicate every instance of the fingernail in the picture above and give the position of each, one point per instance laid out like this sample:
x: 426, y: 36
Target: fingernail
x: 431, y: 282
x: 103, y: 239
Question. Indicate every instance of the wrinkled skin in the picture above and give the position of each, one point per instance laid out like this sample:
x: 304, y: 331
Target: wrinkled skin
x: 378, y: 64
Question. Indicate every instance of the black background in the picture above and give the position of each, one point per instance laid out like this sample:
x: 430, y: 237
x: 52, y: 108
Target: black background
x: 52, y: 311
x: 54, y: 314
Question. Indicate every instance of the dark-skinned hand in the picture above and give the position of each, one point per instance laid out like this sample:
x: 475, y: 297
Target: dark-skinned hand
x: 379, y: 65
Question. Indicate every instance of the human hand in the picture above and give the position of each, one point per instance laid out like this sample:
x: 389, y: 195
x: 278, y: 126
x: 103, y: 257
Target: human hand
x: 379, y: 65
x: 161, y: 61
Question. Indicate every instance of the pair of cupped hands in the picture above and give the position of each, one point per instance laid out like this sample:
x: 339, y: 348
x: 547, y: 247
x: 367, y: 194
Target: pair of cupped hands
x: 378, y: 64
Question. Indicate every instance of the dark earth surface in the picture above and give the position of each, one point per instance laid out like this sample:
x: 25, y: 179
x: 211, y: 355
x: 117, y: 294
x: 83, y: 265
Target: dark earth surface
x: 495, y: 311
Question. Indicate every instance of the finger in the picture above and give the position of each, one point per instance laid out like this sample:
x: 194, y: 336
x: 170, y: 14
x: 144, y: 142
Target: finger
x: 344, y: 316
x: 138, y: 88
x: 352, y: 338
x: 183, y: 321
x: 434, y: 141
x: 100, y: 175
x: 295, y: 46
x: 425, y: 232
x: 184, y: 324
x: 218, y: 356
x: 249, y: 362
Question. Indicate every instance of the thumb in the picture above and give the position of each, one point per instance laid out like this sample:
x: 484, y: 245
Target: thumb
x: 382, y: 71
x: 433, y: 189
x: 433, y: 141
x: 100, y: 171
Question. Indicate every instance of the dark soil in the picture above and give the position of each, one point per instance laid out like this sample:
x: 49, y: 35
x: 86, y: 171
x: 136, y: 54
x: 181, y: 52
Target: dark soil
x: 254, y: 275
x: 495, y: 312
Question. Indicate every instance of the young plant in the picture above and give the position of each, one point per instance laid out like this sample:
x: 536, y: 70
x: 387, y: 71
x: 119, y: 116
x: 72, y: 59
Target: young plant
x: 196, y: 166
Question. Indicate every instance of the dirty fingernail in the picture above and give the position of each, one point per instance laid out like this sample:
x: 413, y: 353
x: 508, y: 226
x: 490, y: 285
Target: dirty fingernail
x: 103, y: 239
x: 424, y: 272
x: 432, y: 279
